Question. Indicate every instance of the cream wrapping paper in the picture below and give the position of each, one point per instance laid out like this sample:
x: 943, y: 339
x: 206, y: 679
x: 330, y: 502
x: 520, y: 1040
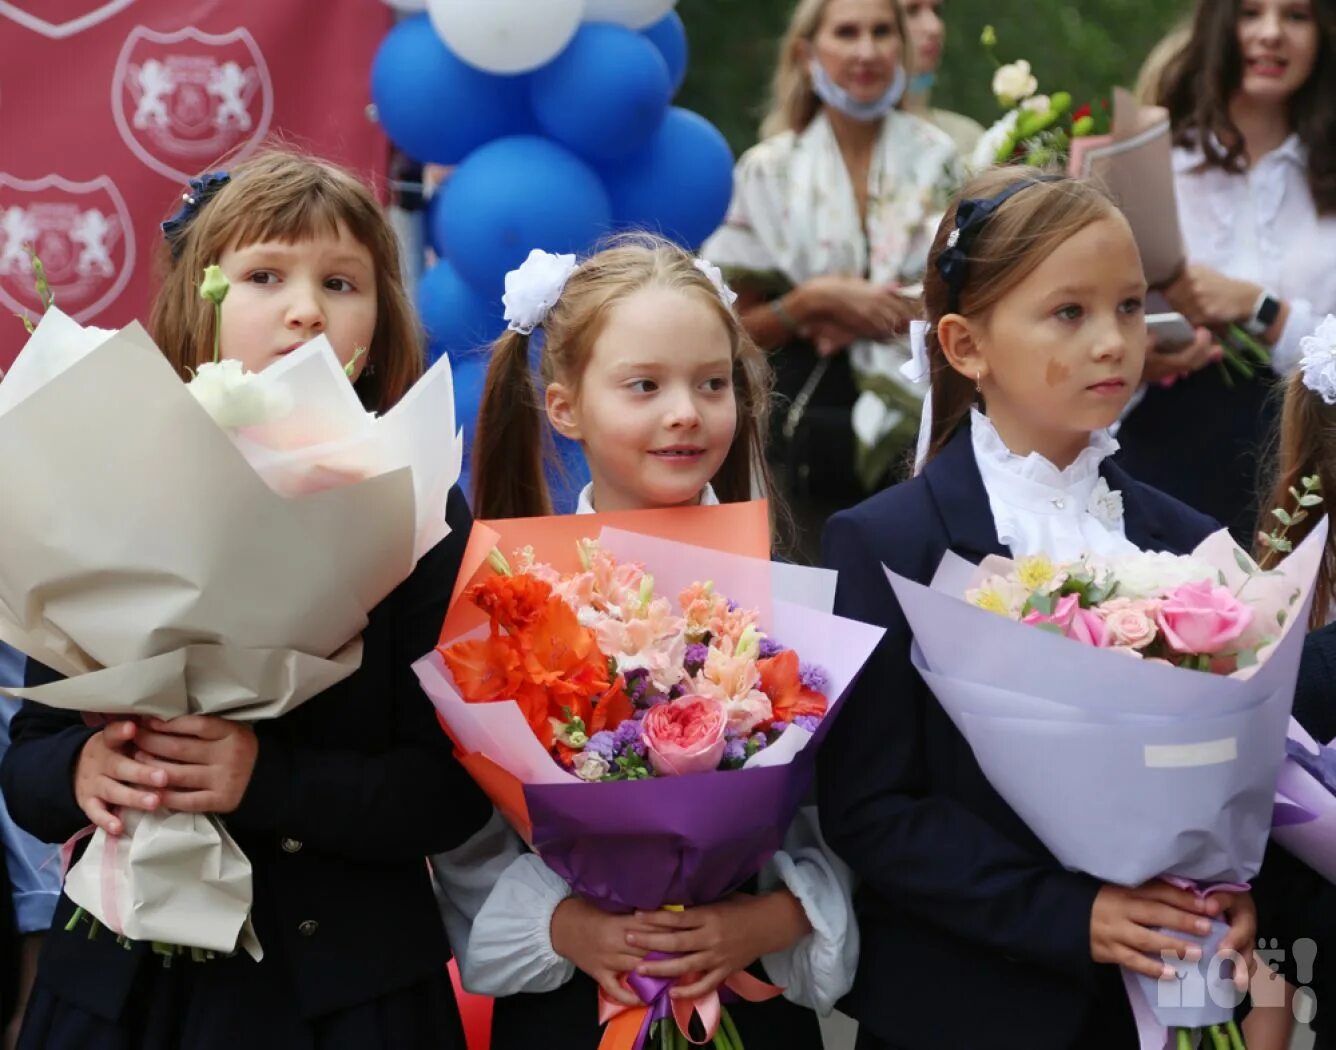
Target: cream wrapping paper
x: 169, y: 567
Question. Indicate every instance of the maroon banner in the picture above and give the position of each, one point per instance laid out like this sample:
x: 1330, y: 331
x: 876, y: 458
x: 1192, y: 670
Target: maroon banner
x: 108, y: 106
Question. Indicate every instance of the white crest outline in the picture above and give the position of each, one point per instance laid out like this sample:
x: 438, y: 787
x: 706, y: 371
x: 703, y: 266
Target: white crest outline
x: 102, y: 182
x: 139, y: 33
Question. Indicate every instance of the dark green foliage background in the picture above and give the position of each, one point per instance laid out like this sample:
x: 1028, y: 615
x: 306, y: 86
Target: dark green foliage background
x: 1085, y: 49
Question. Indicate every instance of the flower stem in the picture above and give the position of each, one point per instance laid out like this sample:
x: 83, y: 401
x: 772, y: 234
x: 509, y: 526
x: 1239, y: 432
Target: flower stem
x: 726, y: 1019
x: 217, y: 331
x: 1184, y: 1041
x: 1235, y: 1037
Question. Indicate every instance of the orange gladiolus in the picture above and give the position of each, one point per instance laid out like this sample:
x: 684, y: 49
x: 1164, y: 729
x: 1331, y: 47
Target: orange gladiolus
x: 515, y: 603
x: 789, y: 698
x: 484, y: 670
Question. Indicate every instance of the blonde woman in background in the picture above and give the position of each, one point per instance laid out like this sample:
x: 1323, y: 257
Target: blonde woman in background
x: 927, y: 37
x: 826, y: 241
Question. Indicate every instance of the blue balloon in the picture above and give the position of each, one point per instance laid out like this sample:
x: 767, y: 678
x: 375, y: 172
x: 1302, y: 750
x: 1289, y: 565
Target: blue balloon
x: 669, y: 35
x: 604, y: 95
x: 435, y: 107
x: 679, y: 184
x: 456, y: 318
x: 512, y: 196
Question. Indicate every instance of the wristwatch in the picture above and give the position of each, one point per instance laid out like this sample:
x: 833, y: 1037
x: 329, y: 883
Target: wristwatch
x: 1264, y: 314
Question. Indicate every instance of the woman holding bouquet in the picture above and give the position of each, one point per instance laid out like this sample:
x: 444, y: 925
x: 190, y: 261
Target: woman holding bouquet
x: 825, y: 240
x: 336, y: 804
x: 1034, y: 291
x: 1250, y: 97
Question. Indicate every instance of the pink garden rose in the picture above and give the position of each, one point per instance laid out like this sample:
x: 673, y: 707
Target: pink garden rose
x: 685, y: 735
x: 1131, y: 622
x: 1083, y: 625
x: 1202, y: 618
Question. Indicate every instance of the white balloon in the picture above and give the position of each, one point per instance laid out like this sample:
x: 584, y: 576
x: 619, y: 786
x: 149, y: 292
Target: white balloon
x: 638, y: 14
x: 408, y: 5
x: 506, y: 36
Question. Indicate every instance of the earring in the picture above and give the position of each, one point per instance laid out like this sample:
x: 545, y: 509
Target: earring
x: 978, y: 382
x: 370, y: 369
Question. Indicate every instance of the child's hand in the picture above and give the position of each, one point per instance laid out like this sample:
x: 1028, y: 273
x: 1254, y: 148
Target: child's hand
x: 598, y: 944
x: 105, y: 776
x: 1241, y: 912
x: 715, y: 941
x: 208, y: 761
x: 1123, y: 921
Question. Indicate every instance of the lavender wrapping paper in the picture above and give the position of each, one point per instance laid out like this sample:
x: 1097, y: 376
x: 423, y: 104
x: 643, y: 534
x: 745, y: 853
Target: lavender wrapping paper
x: 1124, y: 769
x: 1307, y: 828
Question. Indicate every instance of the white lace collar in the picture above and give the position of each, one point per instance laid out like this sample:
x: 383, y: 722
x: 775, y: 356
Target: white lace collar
x: 989, y: 446
x: 1038, y: 508
x: 586, y: 504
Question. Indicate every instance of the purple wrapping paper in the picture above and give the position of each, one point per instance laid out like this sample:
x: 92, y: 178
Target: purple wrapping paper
x: 1304, y: 819
x: 672, y: 840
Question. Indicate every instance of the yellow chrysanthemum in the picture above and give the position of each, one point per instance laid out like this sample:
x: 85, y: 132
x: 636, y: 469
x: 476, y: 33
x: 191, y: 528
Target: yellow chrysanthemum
x: 1036, y: 572
x: 990, y: 601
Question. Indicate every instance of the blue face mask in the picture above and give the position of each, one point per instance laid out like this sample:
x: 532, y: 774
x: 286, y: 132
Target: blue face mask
x: 836, y: 97
x: 922, y: 83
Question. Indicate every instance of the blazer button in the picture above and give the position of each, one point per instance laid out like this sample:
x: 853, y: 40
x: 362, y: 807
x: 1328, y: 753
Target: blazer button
x: 308, y: 928
x: 291, y: 846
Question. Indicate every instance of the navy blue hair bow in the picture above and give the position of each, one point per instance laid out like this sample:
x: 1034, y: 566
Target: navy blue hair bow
x: 200, y: 193
x: 972, y: 215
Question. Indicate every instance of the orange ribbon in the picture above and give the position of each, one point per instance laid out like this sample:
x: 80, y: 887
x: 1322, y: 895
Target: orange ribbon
x: 625, y: 1024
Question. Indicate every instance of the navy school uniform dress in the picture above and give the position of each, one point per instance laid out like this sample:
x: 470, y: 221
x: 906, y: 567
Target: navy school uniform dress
x: 1294, y: 903
x: 973, y: 935
x: 349, y: 794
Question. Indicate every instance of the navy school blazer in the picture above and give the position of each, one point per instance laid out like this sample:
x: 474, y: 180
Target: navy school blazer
x: 973, y: 934
x: 349, y: 794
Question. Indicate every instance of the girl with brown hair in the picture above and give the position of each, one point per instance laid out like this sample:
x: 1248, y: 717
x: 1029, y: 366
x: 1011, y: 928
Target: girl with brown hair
x: 1250, y: 95
x: 336, y: 804
x: 1034, y: 296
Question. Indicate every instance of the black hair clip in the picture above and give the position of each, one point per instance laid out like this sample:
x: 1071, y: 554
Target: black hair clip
x: 201, y: 191
x: 972, y: 215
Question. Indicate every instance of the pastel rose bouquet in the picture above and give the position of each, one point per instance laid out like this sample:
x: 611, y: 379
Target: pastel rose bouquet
x: 617, y: 683
x: 1160, y: 766
x: 646, y: 733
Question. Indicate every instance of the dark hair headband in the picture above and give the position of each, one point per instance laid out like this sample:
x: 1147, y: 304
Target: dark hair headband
x: 200, y: 193
x: 972, y: 215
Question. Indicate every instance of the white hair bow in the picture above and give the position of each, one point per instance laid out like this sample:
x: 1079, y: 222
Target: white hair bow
x: 716, y: 276
x: 918, y: 370
x: 534, y: 288
x: 1319, y: 361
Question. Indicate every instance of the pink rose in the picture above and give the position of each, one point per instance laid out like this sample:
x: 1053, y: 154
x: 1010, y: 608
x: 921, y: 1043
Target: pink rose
x: 1083, y: 625
x: 685, y: 735
x: 1202, y: 618
x: 1131, y: 623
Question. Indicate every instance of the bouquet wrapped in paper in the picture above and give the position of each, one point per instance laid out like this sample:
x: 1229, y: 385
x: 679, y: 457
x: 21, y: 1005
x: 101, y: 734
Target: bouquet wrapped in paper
x: 1304, y: 820
x: 1133, y: 713
x: 204, y: 549
x: 644, y: 705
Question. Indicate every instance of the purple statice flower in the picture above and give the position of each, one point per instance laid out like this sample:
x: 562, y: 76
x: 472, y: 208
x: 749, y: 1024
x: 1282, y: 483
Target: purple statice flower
x: 677, y: 691
x: 732, y: 606
x: 770, y: 648
x: 628, y: 739
x: 696, y: 654
x: 808, y: 722
x: 813, y: 677
x: 637, y: 681
x: 758, y: 742
x: 604, y: 744
x: 735, y: 751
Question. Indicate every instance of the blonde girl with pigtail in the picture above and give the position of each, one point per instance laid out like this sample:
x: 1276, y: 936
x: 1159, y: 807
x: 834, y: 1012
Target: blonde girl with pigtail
x: 640, y: 357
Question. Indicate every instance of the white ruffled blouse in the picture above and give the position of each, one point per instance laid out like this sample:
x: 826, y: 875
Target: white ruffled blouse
x: 1040, y: 509
x: 585, y: 505
x: 497, y: 899
x: 1262, y: 226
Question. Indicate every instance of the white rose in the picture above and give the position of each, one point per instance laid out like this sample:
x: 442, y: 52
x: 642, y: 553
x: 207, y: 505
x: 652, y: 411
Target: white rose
x: 1037, y: 104
x: 1150, y: 573
x: 985, y: 152
x: 1014, y: 82
x: 1319, y: 360
x: 590, y: 766
x: 234, y: 397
